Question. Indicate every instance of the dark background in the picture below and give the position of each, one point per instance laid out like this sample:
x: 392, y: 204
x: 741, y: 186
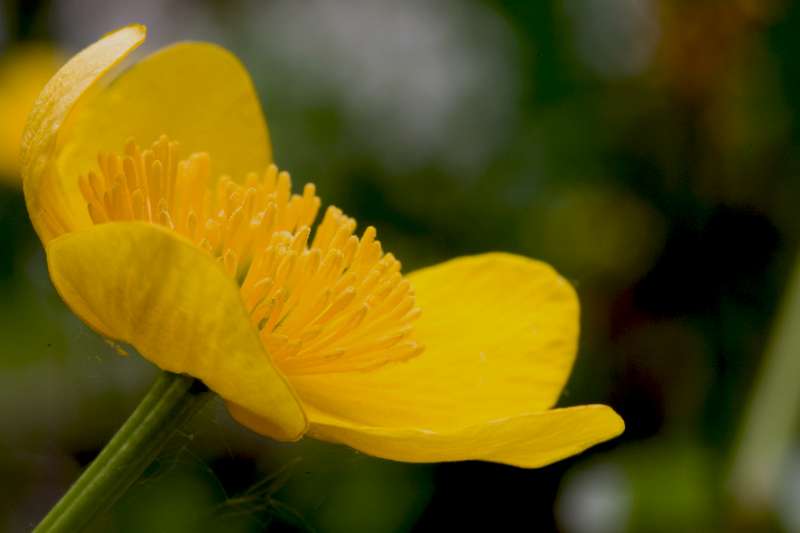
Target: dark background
x: 647, y: 149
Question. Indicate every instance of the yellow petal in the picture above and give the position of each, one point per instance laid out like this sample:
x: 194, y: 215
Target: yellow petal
x: 527, y: 440
x: 500, y: 335
x: 141, y: 284
x: 41, y: 138
x: 196, y: 93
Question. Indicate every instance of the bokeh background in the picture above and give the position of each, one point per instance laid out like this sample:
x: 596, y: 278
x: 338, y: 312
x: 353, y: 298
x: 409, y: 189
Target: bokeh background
x: 649, y: 149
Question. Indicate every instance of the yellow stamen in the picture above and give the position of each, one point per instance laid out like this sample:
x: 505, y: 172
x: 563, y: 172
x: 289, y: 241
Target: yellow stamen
x: 331, y: 303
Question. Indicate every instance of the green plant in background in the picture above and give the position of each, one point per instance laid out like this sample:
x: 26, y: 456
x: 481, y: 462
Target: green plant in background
x: 769, y: 423
x: 216, y: 279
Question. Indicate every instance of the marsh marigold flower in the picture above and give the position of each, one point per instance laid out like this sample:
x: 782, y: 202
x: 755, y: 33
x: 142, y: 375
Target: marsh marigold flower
x: 192, y: 247
x: 23, y: 72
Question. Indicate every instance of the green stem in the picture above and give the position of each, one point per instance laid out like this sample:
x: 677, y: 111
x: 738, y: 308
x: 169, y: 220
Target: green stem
x: 770, y: 419
x: 171, y: 400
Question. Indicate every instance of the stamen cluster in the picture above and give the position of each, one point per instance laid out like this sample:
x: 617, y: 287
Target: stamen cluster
x: 330, y: 304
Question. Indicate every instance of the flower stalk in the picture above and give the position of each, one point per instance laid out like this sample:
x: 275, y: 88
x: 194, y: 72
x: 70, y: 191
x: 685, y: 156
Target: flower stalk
x: 171, y: 400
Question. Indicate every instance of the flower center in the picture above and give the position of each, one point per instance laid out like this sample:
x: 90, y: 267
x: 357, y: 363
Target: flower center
x: 332, y: 304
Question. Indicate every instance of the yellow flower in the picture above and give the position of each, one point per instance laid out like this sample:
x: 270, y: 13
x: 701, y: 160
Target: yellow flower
x: 23, y: 73
x: 206, y: 264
